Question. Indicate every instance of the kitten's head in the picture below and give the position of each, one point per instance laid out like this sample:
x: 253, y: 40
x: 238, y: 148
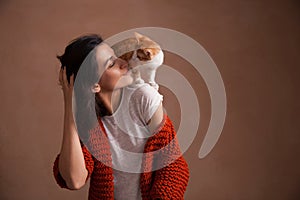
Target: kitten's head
x: 146, y: 48
x: 138, y: 50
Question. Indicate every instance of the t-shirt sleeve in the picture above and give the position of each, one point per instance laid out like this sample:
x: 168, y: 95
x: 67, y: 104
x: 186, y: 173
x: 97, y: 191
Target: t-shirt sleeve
x: 147, y: 101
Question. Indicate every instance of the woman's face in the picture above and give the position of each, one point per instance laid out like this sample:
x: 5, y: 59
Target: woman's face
x: 114, y: 71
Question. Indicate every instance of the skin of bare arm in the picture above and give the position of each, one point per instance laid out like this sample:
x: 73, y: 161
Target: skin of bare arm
x: 71, y: 161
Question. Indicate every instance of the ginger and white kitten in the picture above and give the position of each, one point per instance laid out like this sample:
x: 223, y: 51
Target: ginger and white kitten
x: 143, y: 55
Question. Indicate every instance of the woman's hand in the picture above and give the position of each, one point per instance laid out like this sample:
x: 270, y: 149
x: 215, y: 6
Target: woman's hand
x: 66, y: 86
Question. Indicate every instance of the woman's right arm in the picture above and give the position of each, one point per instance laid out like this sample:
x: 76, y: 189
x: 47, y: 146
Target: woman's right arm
x: 71, y: 162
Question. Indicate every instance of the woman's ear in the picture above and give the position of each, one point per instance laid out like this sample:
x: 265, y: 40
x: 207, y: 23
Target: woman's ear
x: 96, y: 88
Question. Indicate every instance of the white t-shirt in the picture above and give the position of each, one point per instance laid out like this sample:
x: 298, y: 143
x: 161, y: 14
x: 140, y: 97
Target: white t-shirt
x: 127, y: 132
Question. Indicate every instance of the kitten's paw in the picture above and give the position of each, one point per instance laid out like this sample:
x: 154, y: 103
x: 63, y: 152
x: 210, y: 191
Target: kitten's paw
x: 154, y: 85
x: 134, y: 71
x: 139, y: 81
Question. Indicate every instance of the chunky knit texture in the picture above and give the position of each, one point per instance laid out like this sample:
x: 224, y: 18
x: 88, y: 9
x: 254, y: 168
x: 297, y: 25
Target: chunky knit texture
x: 169, y: 182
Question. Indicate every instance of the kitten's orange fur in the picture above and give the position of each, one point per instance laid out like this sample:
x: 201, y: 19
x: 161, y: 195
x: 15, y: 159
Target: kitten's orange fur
x: 146, y: 48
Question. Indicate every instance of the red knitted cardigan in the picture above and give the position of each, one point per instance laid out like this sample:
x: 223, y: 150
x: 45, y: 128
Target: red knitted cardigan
x: 169, y: 182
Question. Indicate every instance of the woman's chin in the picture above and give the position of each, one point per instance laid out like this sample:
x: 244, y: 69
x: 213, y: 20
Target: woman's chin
x: 124, y: 81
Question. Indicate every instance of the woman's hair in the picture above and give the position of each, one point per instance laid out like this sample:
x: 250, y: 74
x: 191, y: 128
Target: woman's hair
x: 77, y: 51
x: 79, y: 59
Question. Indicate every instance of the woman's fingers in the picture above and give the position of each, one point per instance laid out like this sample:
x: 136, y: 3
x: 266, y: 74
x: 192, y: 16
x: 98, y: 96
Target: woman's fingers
x: 60, y: 81
x: 72, y: 80
x: 65, y: 79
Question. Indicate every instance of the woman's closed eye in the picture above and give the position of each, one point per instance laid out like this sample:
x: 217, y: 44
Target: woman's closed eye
x: 112, y: 63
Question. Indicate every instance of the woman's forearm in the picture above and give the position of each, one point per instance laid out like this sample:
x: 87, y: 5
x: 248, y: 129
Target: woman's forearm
x: 71, y: 161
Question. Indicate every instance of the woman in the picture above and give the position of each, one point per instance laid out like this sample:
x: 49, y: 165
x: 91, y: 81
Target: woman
x: 121, y: 140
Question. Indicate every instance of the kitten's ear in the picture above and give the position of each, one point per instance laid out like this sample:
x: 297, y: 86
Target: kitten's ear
x: 138, y: 35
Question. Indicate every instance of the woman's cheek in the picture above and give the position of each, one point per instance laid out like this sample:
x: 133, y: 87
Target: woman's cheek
x: 106, y: 82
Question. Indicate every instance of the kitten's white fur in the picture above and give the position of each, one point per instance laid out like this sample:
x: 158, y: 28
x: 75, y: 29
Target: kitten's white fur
x: 145, y: 71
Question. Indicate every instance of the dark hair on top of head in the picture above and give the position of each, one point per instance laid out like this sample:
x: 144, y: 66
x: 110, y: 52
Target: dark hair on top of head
x: 80, y: 57
x: 76, y: 52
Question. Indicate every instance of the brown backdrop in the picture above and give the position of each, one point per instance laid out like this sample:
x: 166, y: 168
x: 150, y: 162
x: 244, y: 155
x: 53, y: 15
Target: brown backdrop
x: 255, y: 45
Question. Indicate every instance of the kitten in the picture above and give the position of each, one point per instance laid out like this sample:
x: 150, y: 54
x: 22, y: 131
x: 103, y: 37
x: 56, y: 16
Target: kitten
x: 143, y: 55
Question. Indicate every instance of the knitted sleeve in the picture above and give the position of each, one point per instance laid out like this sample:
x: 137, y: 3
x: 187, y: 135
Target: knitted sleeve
x: 89, y: 163
x: 169, y: 182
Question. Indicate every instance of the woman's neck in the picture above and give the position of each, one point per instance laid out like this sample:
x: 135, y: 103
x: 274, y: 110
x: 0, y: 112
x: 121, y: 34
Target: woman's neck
x: 111, y: 100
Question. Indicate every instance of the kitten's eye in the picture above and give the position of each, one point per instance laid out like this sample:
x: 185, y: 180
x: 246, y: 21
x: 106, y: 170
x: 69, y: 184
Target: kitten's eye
x: 148, y: 53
